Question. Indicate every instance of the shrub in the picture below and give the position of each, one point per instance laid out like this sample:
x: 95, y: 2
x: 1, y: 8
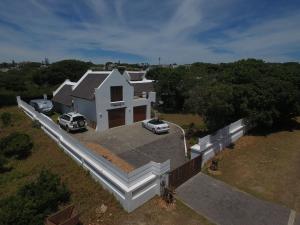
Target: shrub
x: 3, y: 162
x: 34, y: 201
x: 36, y: 124
x: 6, y: 119
x: 16, y: 144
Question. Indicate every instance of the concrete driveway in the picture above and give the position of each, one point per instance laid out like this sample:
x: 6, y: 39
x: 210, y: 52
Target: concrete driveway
x: 138, y: 146
x: 225, y: 205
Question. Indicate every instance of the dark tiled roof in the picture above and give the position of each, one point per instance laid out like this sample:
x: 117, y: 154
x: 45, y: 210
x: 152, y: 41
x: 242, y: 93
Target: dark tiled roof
x: 139, y: 88
x: 136, y: 76
x: 63, y: 96
x: 87, y: 86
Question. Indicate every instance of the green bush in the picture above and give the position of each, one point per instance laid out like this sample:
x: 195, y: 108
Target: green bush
x: 16, y: 144
x: 36, y: 124
x: 6, y: 119
x: 3, y: 162
x: 34, y: 201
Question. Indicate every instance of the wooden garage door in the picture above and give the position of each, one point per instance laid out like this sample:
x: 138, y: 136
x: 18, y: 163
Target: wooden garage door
x: 139, y: 113
x: 116, y: 117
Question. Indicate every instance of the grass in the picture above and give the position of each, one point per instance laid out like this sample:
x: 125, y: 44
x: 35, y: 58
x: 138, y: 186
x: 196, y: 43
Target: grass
x: 192, y: 124
x: 266, y: 166
x: 86, y: 194
x: 183, y: 120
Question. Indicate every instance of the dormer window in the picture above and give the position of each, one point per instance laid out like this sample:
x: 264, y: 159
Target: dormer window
x: 116, y: 93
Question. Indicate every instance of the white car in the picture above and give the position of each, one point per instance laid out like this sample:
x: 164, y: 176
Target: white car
x: 72, y: 121
x: 156, y: 126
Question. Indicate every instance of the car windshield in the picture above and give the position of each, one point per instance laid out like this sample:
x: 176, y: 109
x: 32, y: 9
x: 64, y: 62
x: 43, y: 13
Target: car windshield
x: 156, y: 122
x: 45, y: 104
x: 78, y: 118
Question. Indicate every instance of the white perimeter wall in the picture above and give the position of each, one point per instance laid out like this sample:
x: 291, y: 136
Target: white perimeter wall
x: 210, y: 145
x: 130, y: 189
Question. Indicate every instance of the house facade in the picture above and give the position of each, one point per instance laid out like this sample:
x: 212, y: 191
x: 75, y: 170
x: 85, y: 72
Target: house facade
x: 108, y: 98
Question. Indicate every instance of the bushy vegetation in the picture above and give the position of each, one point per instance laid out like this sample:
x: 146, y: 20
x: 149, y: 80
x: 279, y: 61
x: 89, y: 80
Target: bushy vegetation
x: 58, y: 72
x: 6, y: 119
x: 32, y: 80
x: 34, y: 201
x: 265, y: 93
x: 3, y: 162
x: 16, y: 145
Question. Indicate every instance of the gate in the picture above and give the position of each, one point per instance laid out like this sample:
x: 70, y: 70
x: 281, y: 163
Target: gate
x: 181, y: 174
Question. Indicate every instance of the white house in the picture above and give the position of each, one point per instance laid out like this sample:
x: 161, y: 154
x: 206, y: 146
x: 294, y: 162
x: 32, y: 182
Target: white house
x: 107, y: 98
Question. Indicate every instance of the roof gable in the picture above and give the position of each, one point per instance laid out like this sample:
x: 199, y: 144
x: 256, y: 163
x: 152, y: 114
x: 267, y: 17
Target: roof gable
x: 136, y: 76
x: 63, y: 96
x: 86, y: 88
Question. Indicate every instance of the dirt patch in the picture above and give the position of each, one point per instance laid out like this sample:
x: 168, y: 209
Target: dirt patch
x: 110, y: 156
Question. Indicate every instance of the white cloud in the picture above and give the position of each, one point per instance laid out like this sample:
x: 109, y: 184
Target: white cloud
x: 178, y: 37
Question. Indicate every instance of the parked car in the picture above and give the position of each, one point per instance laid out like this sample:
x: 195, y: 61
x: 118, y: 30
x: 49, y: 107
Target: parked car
x: 42, y: 105
x: 72, y: 121
x: 156, y: 126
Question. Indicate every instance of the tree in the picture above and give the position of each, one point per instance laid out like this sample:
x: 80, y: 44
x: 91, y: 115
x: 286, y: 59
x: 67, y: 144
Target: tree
x: 34, y: 201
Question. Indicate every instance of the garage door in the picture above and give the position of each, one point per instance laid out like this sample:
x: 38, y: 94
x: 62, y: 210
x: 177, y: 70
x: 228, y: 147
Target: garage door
x: 116, y: 117
x: 139, y: 113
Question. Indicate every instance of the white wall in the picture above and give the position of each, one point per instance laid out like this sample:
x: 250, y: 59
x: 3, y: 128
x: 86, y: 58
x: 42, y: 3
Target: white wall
x: 130, y: 189
x: 210, y: 145
x: 85, y: 107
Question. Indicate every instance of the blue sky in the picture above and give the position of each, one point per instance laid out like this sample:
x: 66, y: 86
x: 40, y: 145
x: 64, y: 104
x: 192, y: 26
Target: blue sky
x: 181, y: 31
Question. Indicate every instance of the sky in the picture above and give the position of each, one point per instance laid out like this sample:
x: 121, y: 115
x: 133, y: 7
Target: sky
x: 135, y: 31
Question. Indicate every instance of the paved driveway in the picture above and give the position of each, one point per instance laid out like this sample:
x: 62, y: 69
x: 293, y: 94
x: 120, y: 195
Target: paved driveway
x: 225, y: 205
x: 138, y: 146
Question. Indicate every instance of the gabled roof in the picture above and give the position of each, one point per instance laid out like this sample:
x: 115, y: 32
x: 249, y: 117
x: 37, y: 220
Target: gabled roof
x: 87, y: 85
x: 140, y: 87
x: 136, y: 75
x: 63, y: 95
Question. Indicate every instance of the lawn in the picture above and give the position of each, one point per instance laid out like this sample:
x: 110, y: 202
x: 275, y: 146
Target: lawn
x: 267, y: 166
x: 192, y: 124
x: 183, y: 120
x: 86, y: 194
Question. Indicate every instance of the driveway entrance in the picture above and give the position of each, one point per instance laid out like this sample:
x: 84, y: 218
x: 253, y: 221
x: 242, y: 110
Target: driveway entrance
x: 225, y: 205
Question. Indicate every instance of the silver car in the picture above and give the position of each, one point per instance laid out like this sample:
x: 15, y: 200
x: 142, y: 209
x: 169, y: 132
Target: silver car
x: 42, y: 105
x: 156, y: 126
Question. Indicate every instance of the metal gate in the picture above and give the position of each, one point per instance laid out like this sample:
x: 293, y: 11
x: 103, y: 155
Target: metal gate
x: 181, y: 174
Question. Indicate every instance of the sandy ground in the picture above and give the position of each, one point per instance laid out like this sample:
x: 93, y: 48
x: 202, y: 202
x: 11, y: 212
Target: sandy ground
x: 110, y: 156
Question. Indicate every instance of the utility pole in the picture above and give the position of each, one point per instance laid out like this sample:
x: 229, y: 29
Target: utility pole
x: 159, y: 60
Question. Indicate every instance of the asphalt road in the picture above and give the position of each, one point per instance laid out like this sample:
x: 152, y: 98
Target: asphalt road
x: 225, y: 205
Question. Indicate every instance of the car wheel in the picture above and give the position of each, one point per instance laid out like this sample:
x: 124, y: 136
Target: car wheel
x: 153, y: 130
x: 67, y: 129
x: 143, y: 125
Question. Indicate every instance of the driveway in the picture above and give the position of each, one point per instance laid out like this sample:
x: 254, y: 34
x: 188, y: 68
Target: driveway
x: 138, y: 146
x: 225, y: 205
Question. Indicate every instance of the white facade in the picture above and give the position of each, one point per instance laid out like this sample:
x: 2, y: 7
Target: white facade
x: 85, y: 107
x: 103, y: 100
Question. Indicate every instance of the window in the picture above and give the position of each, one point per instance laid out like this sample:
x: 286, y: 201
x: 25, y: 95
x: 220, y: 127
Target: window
x: 65, y: 117
x: 116, y: 93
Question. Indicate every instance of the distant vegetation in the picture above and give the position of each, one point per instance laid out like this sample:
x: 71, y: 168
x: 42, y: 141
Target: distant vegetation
x: 265, y: 93
x: 32, y: 79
